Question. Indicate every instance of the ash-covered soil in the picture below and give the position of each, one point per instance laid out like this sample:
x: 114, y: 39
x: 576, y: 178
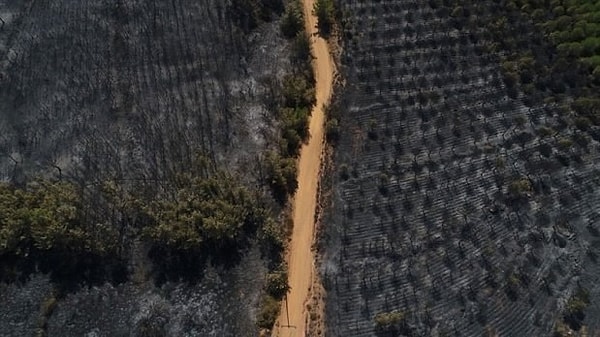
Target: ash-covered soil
x: 454, y: 212
x: 223, y: 303
x: 131, y: 91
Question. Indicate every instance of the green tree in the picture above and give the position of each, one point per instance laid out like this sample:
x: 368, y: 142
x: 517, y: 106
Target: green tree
x: 301, y: 54
x: 48, y: 216
x: 281, y: 176
x: 206, y: 212
x: 296, y: 119
x: 292, y: 22
x: 298, y: 91
x: 324, y: 11
x: 575, y: 308
x: 277, y: 283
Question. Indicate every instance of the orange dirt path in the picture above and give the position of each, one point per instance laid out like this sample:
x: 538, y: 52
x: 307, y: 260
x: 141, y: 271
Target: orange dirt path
x: 300, y: 254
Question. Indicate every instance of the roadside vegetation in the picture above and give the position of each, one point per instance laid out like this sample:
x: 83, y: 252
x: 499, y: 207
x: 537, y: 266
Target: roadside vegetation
x: 280, y: 165
x: 293, y: 112
x: 324, y: 10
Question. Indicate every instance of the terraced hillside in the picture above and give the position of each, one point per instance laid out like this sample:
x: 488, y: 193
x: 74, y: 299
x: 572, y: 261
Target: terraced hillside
x: 461, y: 207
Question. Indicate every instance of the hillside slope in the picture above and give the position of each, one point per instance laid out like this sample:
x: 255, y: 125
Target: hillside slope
x: 461, y: 206
x: 130, y: 93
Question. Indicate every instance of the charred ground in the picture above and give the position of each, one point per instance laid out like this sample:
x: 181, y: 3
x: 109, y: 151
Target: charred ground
x: 128, y: 109
x: 465, y: 191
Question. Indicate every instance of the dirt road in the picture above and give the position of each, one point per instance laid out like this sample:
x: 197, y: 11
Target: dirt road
x: 300, y: 255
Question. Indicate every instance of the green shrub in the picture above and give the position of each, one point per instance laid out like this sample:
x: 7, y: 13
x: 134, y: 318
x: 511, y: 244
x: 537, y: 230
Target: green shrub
x: 272, y: 236
x: 290, y: 143
x: 545, y: 131
x: 519, y: 188
x: 582, y: 123
x: 588, y: 107
x: 458, y: 11
x: 389, y: 320
x: 565, y: 143
x: 578, y: 302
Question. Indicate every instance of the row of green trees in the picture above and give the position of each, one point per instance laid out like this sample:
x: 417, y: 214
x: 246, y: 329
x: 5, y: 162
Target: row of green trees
x: 204, y: 213
x: 293, y: 113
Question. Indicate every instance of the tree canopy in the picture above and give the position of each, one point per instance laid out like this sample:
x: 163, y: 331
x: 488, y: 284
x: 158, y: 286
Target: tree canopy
x: 211, y: 212
x: 47, y: 216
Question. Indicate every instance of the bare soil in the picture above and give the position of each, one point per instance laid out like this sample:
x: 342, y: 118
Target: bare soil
x: 300, y: 254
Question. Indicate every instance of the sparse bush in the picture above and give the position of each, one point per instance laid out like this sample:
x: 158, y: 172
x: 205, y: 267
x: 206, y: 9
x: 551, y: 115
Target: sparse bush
x: 512, y: 285
x: 269, y: 310
x: 247, y: 14
x: 372, y: 132
x: 154, y: 323
x: 344, y: 172
x: 562, y: 330
x: 520, y: 120
x: 383, y: 181
x: 565, y: 143
x: 332, y: 130
x: 389, y: 321
x: 511, y: 79
x: 575, y: 308
x: 545, y: 131
x: 500, y: 163
x: 46, y: 309
x: 519, y: 188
